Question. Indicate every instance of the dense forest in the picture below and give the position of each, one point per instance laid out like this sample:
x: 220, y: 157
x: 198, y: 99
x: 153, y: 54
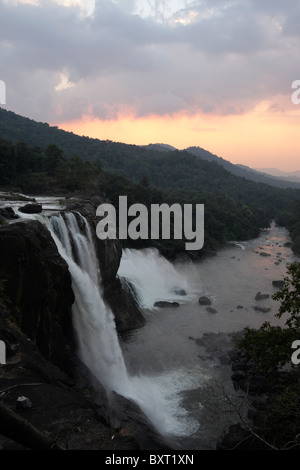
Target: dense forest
x: 41, y: 159
x: 129, y: 160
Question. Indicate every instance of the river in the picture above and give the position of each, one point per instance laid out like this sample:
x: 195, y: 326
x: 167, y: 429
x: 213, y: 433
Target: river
x: 177, y: 366
x: 173, y: 346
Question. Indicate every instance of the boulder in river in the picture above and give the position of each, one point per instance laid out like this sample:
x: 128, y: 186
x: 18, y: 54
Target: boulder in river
x: 165, y: 304
x: 260, y: 296
x: 179, y: 291
x: 31, y: 208
x: 262, y: 309
x: 278, y: 283
x: 204, y: 301
x: 211, y: 310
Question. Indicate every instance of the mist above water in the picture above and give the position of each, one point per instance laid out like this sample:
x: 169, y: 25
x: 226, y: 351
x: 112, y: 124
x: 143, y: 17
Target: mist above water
x: 171, y: 337
x: 154, y: 278
x: 99, y: 348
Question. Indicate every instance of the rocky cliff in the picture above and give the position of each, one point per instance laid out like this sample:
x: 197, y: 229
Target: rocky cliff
x: 36, y: 299
x: 38, y: 284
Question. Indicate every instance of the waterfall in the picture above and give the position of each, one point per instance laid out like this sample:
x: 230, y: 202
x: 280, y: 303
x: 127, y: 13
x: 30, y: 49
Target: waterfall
x: 93, y: 321
x: 99, y: 348
x: 154, y: 278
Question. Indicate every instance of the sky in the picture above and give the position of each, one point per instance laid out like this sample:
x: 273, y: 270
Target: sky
x: 217, y: 74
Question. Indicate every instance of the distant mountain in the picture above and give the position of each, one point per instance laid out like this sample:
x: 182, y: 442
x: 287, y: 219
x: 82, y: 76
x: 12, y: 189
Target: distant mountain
x: 244, y: 171
x: 290, y: 175
x: 274, y: 177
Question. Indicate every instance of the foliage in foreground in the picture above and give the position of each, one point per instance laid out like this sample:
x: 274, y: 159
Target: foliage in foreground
x: 270, y: 348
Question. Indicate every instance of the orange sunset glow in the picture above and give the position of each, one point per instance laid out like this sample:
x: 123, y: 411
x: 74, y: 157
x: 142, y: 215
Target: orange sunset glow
x: 212, y: 74
x: 260, y: 138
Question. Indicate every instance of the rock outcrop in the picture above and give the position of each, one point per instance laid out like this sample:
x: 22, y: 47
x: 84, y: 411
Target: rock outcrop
x: 37, y: 284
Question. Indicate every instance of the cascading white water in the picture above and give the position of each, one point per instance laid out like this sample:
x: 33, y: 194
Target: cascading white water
x: 99, y: 348
x: 93, y: 321
x: 154, y: 278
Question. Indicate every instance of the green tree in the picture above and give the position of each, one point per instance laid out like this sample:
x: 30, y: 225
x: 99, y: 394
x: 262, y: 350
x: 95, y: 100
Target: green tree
x: 54, y: 158
x: 289, y: 296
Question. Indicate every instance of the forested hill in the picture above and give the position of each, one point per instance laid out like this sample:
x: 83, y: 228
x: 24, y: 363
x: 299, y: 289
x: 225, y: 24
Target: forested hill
x: 243, y: 170
x: 37, y: 158
x: 129, y: 160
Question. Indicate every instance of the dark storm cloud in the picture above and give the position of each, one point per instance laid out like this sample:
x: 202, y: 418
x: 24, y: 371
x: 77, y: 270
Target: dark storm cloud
x: 231, y: 56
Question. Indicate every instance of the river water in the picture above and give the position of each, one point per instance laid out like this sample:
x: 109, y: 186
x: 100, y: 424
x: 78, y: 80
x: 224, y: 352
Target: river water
x: 176, y: 367
x: 176, y: 347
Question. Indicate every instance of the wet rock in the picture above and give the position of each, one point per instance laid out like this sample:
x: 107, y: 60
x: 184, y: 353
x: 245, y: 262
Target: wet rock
x: 262, y: 309
x: 23, y: 403
x: 8, y: 213
x: 127, y: 415
x: 166, y: 304
x: 211, y: 310
x: 31, y: 208
x: 39, y: 287
x: 204, y: 301
x: 278, y: 283
x: 260, y: 296
x: 178, y: 291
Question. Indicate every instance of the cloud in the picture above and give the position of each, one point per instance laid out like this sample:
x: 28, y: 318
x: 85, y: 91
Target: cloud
x: 213, y: 56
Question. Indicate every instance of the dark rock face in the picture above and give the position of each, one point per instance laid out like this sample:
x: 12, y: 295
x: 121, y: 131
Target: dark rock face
x: 61, y: 406
x: 38, y: 285
x: 126, y: 310
x: 7, y: 213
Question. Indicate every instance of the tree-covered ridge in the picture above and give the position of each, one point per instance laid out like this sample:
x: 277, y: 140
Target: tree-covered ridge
x: 129, y: 160
x: 235, y: 209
